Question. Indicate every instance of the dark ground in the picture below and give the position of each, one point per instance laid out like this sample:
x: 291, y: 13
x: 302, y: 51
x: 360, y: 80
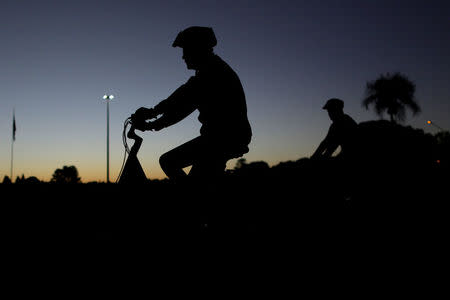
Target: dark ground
x: 300, y: 231
x: 266, y: 214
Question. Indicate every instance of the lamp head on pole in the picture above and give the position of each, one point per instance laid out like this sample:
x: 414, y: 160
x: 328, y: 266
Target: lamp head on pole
x: 108, y: 97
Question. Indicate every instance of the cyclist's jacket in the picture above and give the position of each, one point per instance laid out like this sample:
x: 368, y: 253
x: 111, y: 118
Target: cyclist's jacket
x: 217, y: 93
x: 342, y: 132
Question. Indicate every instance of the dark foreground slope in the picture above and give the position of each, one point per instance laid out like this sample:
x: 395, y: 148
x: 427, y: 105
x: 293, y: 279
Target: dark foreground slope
x: 269, y: 212
x: 298, y: 229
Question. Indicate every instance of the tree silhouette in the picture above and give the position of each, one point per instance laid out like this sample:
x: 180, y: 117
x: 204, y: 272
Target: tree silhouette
x: 66, y: 175
x: 391, y: 94
x: 443, y: 138
x: 241, y: 162
x: 253, y: 169
x: 20, y: 179
x: 6, y: 180
x: 32, y: 180
x: 443, y: 144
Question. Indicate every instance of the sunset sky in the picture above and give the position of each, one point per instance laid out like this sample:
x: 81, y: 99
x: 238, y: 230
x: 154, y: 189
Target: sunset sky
x: 58, y: 58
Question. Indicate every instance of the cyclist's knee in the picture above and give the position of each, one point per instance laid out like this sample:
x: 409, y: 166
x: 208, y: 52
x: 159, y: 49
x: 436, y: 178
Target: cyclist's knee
x: 165, y: 161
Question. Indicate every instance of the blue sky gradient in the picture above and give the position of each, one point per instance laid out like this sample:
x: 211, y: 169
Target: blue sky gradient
x: 58, y: 58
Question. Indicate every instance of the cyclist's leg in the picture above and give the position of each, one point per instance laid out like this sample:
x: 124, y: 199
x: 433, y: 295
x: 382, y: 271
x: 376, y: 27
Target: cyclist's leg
x: 210, y: 160
x: 173, y: 161
x: 208, y: 167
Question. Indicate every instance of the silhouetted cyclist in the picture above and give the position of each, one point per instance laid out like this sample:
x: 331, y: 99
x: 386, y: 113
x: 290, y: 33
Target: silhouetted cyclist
x: 217, y: 93
x: 342, y: 132
x: 340, y: 173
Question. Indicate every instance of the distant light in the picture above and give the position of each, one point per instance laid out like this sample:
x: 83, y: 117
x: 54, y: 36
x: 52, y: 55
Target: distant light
x: 438, y: 161
x: 111, y: 97
x: 435, y: 125
x: 108, y: 97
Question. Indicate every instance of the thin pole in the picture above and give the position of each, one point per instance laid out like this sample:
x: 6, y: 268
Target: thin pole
x: 107, y: 140
x: 12, y: 157
x: 12, y: 142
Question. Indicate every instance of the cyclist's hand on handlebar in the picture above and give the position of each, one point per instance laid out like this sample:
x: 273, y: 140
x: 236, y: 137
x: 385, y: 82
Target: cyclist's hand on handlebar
x: 144, y: 113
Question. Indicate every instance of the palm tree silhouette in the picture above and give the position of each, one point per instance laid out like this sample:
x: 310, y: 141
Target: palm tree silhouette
x: 393, y: 94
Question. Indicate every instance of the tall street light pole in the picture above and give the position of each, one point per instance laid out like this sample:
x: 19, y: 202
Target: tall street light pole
x: 108, y: 98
